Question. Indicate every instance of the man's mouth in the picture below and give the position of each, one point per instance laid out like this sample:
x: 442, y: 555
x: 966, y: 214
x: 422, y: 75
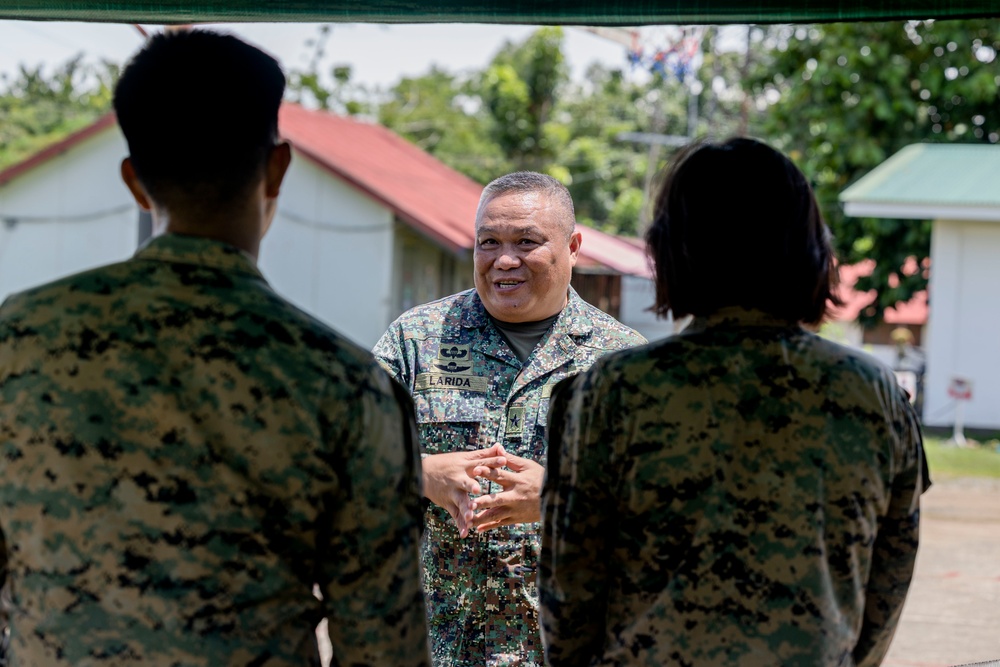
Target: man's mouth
x: 507, y: 284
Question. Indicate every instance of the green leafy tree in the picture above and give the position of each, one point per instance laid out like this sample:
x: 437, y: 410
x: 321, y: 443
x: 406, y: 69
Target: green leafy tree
x: 841, y: 98
x: 519, y: 90
x: 39, y: 108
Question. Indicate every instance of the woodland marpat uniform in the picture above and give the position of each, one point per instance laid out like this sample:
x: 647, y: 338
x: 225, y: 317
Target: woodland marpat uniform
x: 183, y: 455
x: 471, y: 392
x: 745, y: 493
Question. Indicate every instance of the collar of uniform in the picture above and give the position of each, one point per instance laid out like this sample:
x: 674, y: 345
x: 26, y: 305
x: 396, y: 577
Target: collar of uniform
x: 198, y: 250
x: 573, y: 318
x: 734, y: 316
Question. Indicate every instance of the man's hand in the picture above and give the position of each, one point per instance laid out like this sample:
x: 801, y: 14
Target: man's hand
x: 519, y: 502
x: 449, y: 479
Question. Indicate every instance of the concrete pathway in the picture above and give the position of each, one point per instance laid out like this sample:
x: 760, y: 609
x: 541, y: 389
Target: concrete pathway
x: 952, y: 612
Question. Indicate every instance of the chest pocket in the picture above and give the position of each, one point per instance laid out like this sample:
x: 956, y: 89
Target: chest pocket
x: 449, y: 420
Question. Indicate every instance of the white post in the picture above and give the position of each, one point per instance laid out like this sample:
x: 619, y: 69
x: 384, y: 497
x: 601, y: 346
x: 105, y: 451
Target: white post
x: 958, y: 436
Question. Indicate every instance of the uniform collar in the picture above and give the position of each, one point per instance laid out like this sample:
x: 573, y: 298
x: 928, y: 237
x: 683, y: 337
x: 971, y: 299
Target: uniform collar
x: 573, y: 319
x: 735, y: 317
x: 198, y: 250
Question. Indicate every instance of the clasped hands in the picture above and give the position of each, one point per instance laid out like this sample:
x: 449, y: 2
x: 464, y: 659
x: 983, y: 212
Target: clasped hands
x: 450, y: 479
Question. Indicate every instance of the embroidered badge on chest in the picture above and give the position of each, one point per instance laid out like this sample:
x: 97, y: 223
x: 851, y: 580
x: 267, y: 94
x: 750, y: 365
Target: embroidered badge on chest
x: 454, y: 358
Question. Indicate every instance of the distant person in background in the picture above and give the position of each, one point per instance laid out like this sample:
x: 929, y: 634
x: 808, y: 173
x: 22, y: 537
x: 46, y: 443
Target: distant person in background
x: 185, y: 455
x: 481, y: 365
x: 745, y: 492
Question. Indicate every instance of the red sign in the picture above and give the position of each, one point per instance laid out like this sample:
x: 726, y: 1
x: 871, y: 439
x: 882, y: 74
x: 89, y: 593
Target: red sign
x: 960, y: 389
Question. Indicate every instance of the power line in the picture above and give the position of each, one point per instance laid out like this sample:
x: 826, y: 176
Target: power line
x: 10, y: 220
x: 343, y: 229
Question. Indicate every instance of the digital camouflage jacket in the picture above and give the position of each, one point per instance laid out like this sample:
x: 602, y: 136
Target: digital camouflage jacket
x: 745, y: 493
x: 183, y: 456
x: 471, y: 392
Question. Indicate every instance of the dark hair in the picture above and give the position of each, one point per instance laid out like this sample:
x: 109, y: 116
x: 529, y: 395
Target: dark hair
x: 530, y: 181
x: 736, y: 224
x: 199, y: 111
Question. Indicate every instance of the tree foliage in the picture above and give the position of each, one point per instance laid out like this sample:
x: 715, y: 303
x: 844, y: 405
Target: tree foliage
x: 842, y: 98
x: 39, y: 108
x: 335, y: 92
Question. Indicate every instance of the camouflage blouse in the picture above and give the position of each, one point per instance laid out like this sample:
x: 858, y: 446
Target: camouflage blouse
x: 744, y: 493
x: 471, y: 392
x: 183, y: 456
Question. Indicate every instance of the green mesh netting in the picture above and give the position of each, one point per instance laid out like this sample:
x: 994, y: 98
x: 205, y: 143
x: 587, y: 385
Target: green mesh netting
x: 566, y: 12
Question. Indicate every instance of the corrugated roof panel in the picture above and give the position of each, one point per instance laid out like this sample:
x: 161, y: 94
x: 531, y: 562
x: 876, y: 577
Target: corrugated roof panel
x: 941, y: 175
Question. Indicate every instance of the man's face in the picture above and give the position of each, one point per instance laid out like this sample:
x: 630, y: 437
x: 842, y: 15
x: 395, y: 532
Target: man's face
x: 524, y: 256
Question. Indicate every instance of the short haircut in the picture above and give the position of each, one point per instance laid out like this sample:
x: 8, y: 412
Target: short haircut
x: 530, y: 181
x: 199, y: 111
x: 737, y: 224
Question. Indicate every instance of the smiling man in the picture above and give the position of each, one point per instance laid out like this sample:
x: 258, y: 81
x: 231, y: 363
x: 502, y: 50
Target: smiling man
x: 481, y: 365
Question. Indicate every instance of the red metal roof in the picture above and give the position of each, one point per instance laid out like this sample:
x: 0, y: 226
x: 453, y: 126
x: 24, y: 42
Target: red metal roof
x: 420, y: 189
x: 912, y: 312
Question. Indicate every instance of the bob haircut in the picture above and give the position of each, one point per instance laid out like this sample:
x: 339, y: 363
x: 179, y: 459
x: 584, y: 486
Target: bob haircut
x: 736, y: 224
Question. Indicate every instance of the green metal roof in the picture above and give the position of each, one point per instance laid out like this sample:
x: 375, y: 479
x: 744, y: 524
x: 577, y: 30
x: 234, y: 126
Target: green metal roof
x: 929, y: 181
x: 585, y: 12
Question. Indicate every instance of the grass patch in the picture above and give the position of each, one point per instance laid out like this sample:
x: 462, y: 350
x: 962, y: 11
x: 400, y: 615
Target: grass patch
x: 948, y: 461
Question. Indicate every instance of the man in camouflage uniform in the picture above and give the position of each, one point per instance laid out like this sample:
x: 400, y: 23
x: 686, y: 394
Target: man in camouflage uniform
x: 185, y: 454
x: 480, y: 366
x: 745, y: 493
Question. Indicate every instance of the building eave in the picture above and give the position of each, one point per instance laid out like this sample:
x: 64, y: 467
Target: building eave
x: 898, y: 210
x: 49, y: 152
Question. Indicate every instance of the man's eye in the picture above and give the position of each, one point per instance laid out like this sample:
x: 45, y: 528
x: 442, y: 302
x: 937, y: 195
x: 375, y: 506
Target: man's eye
x: 528, y: 242
x: 487, y: 242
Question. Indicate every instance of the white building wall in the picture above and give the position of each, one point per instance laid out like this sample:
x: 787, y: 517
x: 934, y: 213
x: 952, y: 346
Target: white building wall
x: 963, y: 330
x: 70, y: 214
x: 638, y: 294
x: 329, y: 251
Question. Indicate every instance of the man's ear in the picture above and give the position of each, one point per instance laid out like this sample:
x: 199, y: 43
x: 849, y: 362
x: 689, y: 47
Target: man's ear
x: 575, y: 241
x: 276, y: 168
x: 134, y: 186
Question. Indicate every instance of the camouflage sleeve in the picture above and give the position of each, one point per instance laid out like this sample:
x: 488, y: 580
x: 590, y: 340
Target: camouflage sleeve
x: 3, y: 580
x: 390, y: 352
x: 370, y: 568
x: 895, y: 548
x: 578, y: 507
x: 4, y: 335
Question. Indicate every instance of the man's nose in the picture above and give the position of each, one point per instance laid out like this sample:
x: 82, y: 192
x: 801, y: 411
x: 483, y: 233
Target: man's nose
x: 508, y: 259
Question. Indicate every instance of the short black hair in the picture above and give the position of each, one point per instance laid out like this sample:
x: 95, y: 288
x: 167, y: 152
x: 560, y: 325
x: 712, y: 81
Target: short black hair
x: 736, y: 224
x: 199, y: 111
x: 530, y: 181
